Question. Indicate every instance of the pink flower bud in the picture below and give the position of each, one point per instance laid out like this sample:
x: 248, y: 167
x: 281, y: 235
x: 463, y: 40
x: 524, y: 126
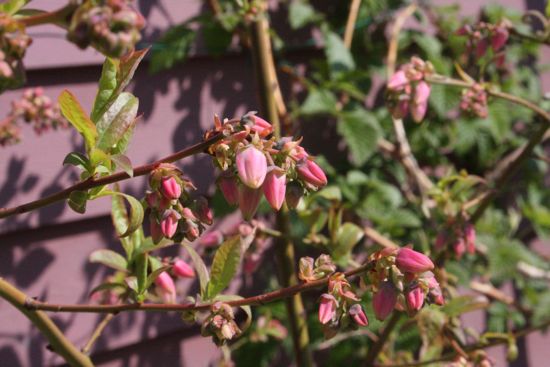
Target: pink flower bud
x: 398, y: 81
x: 211, y: 239
x: 166, y: 288
x: 156, y: 230
x: 499, y: 38
x: 170, y: 188
x: 203, y: 211
x: 249, y: 200
x: 470, y: 238
x: 294, y: 193
x: 261, y: 126
x: 459, y: 248
x: 182, y: 269
x: 327, y: 308
x: 275, y: 187
x: 384, y: 300
x: 415, y: 298
x: 420, y: 101
x: 169, y: 223
x: 481, y: 48
x: 229, y: 188
x: 251, y: 166
x: 464, y: 30
x: 411, y: 261
x: 311, y: 173
x: 358, y: 315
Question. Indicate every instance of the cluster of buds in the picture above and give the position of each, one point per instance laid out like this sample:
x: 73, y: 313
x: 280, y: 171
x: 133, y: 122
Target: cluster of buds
x: 339, y: 308
x: 474, y: 101
x: 408, y: 91
x: 13, y: 45
x: 220, y: 324
x: 255, y: 165
x: 311, y: 270
x: 484, y: 35
x: 111, y: 26
x: 174, y: 214
x: 165, y: 286
x: 462, y: 237
x: 39, y: 110
x: 402, y: 280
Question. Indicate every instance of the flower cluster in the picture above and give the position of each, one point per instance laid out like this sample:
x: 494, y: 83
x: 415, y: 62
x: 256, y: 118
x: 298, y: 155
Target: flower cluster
x: 474, y: 101
x: 402, y: 280
x: 255, y: 165
x: 13, y: 45
x: 111, y: 26
x: 339, y: 308
x: 220, y: 324
x: 461, y: 235
x: 311, y: 270
x: 174, y: 214
x: 165, y: 286
x: 408, y: 91
x: 484, y: 35
x: 39, y: 110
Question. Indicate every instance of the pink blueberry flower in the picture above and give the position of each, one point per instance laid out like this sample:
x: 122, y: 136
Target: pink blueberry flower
x: 183, y: 270
x: 398, y: 81
x: 229, y: 188
x: 470, y: 238
x: 251, y: 167
x: 311, y: 173
x: 327, y: 308
x: 415, y: 298
x: 261, y: 126
x: 384, y: 300
x: 170, y: 188
x: 358, y: 315
x: 411, y: 261
x: 211, y: 239
x: 249, y: 200
x: 169, y: 223
x: 274, y: 187
x: 166, y: 288
x: 420, y: 101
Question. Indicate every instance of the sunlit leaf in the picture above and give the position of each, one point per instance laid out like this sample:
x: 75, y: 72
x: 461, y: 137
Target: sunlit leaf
x: 74, y: 113
x: 109, y: 258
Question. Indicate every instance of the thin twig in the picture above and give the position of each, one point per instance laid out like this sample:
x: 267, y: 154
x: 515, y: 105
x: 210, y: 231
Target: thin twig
x: 31, y: 304
x: 115, y: 177
x: 326, y: 344
x: 350, y: 24
x: 377, y: 347
x: 59, y: 343
x: 97, y: 333
x: 379, y: 238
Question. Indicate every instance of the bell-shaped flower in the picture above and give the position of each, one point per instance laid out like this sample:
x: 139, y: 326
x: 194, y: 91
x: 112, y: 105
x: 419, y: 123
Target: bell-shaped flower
x: 410, y: 261
x: 182, y: 269
x: 415, y: 298
x: 311, y: 173
x: 383, y: 302
x: 420, y: 101
x: 251, y: 166
x: 229, y: 188
x: 274, y: 187
x: 249, y: 200
x: 327, y: 308
x: 169, y: 223
x: 358, y: 315
x: 166, y: 288
x: 170, y: 188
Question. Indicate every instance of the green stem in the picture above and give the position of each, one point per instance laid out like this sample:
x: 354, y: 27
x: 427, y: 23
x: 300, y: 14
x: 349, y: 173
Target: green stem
x: 268, y: 86
x: 57, y: 340
x: 97, y: 333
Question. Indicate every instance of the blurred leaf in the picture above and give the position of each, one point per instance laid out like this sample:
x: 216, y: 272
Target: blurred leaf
x: 226, y: 263
x: 200, y: 267
x: 73, y: 112
x: 300, y: 13
x: 360, y: 131
x: 542, y: 310
x: 124, y: 163
x: 12, y: 6
x: 140, y: 271
x: 216, y: 38
x: 464, y: 304
x: 319, y: 101
x: 349, y: 234
x: 109, y: 258
x: 155, y: 273
x: 171, y: 48
x: 338, y: 56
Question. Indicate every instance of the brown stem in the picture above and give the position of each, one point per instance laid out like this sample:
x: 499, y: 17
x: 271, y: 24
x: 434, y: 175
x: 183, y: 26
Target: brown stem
x: 115, y: 177
x: 350, y: 24
x: 57, y: 340
x: 30, y: 304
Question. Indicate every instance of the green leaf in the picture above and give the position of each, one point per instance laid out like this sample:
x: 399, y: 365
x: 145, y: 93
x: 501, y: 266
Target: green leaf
x: 118, y: 119
x: 109, y: 258
x: 542, y: 310
x: 300, y: 13
x: 226, y: 263
x: 12, y: 6
x: 77, y: 201
x: 200, y: 267
x: 136, y: 212
x: 463, y: 304
x: 172, y: 47
x: 108, y: 286
x: 154, y: 274
x: 73, y: 112
x: 124, y: 163
x: 361, y: 131
x: 216, y: 38
x: 141, y: 265
x: 126, y: 69
x: 339, y: 57
x: 319, y: 101
x: 348, y: 236
x: 78, y: 160
x: 107, y: 86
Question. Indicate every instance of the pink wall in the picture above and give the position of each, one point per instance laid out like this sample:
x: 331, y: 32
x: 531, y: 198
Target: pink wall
x: 45, y: 252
